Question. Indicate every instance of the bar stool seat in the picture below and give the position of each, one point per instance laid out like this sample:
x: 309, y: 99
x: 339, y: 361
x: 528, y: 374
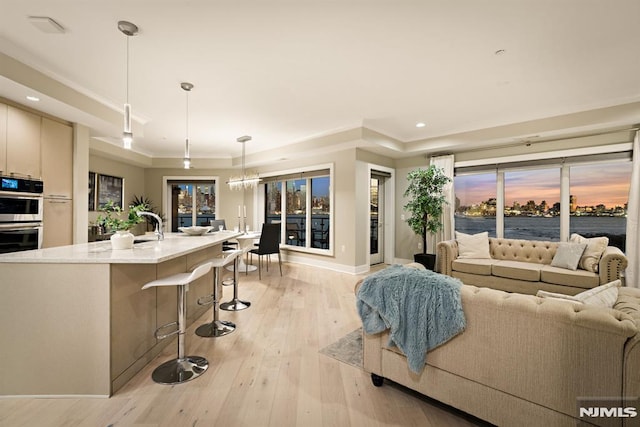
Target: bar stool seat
x: 183, y: 368
x: 217, y: 327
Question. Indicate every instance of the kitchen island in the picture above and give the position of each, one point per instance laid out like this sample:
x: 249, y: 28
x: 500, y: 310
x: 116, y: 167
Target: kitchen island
x: 75, y: 321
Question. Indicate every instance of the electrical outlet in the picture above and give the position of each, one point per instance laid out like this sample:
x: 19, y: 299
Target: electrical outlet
x: 343, y: 248
x: 402, y: 217
x: 419, y: 245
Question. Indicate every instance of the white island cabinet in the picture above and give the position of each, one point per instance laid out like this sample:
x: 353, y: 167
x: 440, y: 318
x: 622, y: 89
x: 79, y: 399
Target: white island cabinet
x: 75, y: 321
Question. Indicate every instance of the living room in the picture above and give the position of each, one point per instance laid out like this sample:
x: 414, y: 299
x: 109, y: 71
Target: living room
x: 334, y: 97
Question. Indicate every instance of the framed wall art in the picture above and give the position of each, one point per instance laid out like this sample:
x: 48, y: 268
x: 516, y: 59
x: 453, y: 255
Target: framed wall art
x: 109, y: 188
x: 92, y: 191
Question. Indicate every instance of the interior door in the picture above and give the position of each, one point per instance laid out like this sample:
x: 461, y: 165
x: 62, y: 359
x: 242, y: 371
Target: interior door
x: 376, y: 220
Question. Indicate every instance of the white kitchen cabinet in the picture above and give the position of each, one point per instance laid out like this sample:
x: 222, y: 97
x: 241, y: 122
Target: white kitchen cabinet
x: 23, y: 143
x: 57, y: 222
x: 3, y: 138
x: 57, y: 159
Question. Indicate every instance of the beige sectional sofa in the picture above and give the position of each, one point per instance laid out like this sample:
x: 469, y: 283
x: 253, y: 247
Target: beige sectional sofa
x: 526, y: 361
x: 524, y: 266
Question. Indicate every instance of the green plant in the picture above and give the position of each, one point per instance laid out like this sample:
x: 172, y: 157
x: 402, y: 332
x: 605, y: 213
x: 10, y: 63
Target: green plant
x: 148, y: 207
x: 111, y: 218
x: 426, y: 193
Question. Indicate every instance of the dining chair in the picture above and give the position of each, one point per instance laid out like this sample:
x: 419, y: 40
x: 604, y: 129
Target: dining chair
x: 226, y: 245
x: 269, y: 244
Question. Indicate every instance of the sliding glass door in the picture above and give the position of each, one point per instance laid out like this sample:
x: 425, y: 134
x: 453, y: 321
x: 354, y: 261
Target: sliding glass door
x: 192, y: 203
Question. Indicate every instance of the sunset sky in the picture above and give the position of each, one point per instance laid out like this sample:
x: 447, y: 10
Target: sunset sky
x: 606, y: 184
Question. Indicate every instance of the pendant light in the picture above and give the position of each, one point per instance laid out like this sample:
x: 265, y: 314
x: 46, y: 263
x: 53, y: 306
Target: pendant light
x: 129, y: 30
x: 244, y: 181
x: 187, y: 157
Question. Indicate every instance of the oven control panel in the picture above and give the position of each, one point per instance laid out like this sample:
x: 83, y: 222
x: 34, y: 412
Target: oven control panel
x: 21, y: 185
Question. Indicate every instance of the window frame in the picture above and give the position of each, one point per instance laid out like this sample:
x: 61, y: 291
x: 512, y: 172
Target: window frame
x: 563, y: 163
x: 307, y: 173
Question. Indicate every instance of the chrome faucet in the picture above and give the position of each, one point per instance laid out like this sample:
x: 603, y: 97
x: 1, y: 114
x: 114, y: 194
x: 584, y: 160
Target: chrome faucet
x: 158, y: 232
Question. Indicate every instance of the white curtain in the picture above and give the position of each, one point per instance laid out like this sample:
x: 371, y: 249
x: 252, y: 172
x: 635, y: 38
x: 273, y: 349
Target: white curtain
x: 632, y: 275
x: 446, y: 233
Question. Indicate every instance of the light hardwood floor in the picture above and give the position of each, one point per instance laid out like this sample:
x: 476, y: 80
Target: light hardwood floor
x: 267, y: 373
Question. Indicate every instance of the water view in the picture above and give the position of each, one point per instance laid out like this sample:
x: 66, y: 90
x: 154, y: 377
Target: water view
x: 541, y: 228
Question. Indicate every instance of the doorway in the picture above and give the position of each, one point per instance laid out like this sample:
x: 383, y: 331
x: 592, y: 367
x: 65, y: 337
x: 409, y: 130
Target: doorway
x: 190, y: 202
x: 376, y: 217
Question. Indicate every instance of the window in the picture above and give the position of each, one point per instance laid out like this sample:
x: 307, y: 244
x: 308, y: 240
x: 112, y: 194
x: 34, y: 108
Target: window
x: 320, y: 212
x: 193, y: 203
x: 524, y: 200
x: 598, y: 201
x: 306, y: 218
x: 296, y: 212
x: 530, y: 195
x: 475, y: 209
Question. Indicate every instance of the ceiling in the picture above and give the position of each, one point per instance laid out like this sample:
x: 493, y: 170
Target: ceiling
x: 290, y: 73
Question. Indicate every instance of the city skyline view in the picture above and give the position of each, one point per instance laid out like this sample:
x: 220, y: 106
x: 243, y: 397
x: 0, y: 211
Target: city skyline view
x: 590, y: 185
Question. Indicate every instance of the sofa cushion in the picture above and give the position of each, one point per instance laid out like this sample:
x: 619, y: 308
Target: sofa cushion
x: 561, y: 276
x: 592, y: 254
x: 629, y: 302
x: 480, y: 266
x: 540, y: 252
x: 518, y: 270
x: 568, y: 255
x: 473, y: 245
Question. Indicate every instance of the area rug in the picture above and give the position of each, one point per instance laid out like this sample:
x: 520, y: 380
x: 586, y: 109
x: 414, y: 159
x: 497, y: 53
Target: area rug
x: 347, y: 349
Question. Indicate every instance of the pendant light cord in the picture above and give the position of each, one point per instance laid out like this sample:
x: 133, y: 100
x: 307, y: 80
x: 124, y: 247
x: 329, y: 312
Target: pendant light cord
x: 127, y: 76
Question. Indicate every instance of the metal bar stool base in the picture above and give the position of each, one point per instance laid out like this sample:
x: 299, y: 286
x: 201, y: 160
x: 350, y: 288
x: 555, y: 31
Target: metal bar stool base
x: 217, y: 328
x: 178, y: 371
x: 235, y: 305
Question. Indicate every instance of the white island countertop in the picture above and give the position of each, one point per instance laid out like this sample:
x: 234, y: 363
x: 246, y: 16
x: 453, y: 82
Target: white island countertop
x: 151, y: 251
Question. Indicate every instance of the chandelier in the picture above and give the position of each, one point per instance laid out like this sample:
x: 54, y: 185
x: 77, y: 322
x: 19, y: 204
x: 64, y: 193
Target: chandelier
x: 244, y: 181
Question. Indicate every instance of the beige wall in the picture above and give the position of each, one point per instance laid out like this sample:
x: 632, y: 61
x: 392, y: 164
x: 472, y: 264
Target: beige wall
x: 351, y: 192
x: 227, y: 200
x: 134, y: 179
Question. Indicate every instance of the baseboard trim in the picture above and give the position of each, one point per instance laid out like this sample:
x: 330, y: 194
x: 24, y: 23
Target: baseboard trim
x: 315, y: 262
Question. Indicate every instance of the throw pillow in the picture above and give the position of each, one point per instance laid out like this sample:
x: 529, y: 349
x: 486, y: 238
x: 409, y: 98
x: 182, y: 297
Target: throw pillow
x: 559, y: 297
x: 568, y: 255
x: 545, y: 294
x: 473, y: 245
x: 592, y: 254
x: 604, y: 295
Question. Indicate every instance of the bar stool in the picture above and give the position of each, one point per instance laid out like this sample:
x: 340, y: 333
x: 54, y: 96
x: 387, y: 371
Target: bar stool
x: 235, y: 304
x: 217, y: 327
x: 180, y: 369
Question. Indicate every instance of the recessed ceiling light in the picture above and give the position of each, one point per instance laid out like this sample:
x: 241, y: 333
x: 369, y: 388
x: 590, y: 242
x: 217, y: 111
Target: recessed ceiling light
x: 33, y: 98
x: 420, y: 125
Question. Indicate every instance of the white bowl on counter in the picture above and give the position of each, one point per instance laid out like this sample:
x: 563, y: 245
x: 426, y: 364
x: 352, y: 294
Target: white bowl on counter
x: 195, y: 230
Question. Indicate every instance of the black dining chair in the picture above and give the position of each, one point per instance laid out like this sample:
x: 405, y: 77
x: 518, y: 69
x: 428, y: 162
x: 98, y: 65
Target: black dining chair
x: 226, y: 245
x: 269, y: 244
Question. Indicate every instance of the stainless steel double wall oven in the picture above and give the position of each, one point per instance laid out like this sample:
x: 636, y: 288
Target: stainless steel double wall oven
x: 21, y: 204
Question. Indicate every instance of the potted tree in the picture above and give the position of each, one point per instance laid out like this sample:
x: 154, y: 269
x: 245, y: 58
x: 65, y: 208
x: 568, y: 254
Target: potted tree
x: 426, y: 194
x: 111, y: 220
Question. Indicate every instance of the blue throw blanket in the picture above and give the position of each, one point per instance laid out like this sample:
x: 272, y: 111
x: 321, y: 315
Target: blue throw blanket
x: 423, y: 309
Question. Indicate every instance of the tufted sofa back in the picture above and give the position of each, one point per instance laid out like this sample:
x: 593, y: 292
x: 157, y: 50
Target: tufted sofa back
x: 522, y: 250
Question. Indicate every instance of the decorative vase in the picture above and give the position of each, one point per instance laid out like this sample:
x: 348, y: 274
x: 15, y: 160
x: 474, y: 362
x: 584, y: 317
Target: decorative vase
x: 122, y: 240
x: 428, y: 260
